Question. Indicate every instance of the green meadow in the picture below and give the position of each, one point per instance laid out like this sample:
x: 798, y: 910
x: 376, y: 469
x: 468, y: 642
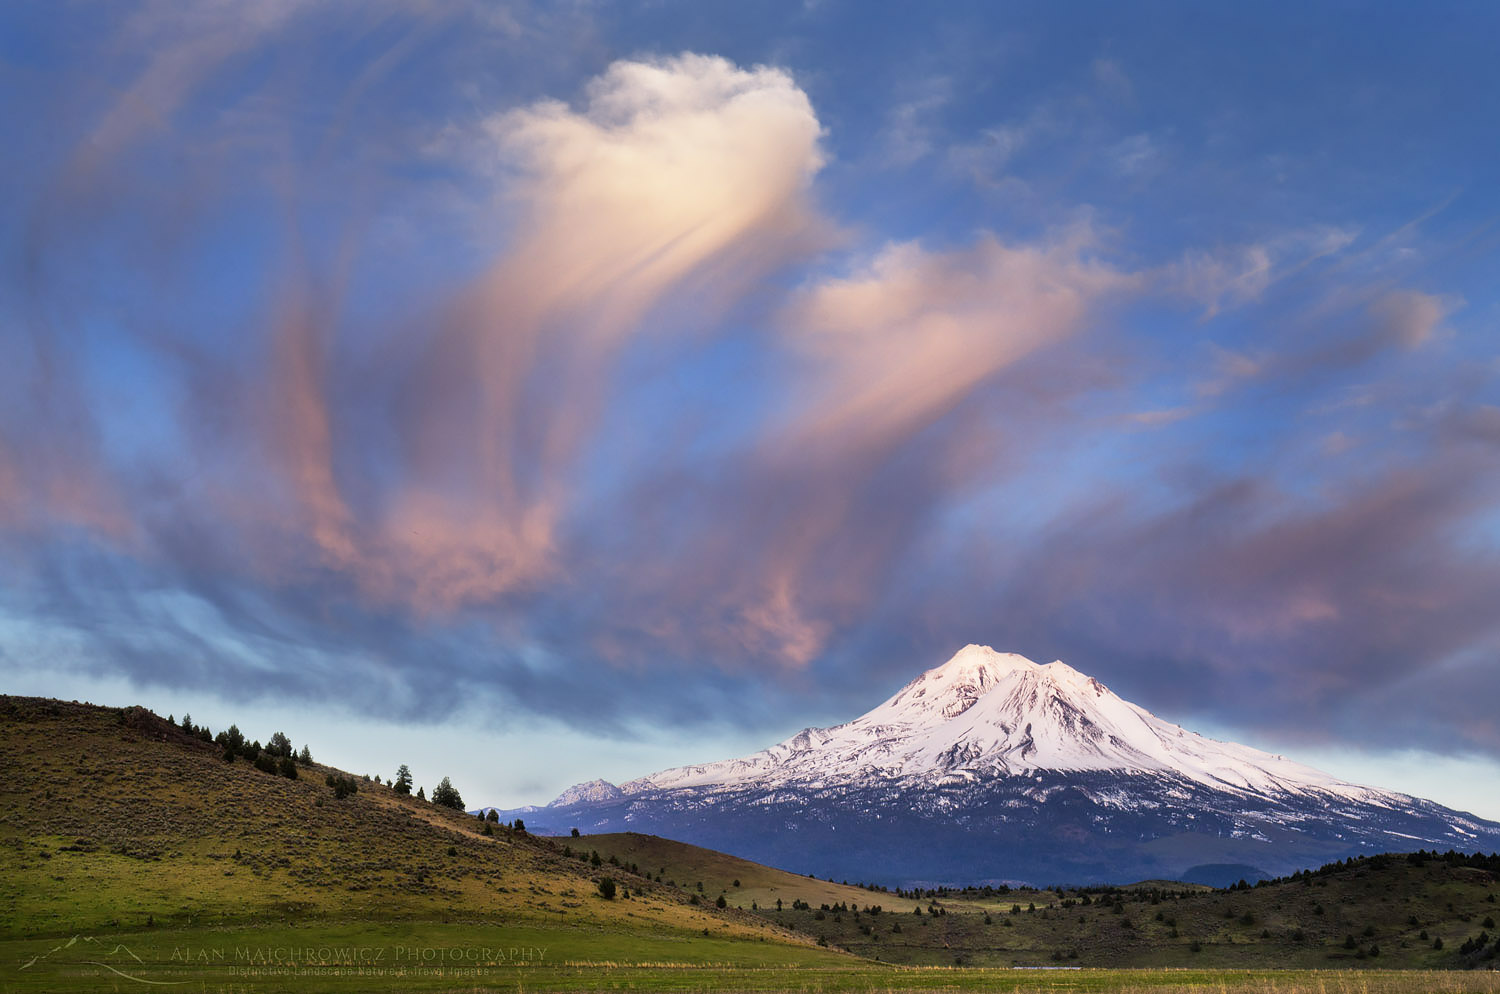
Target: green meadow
x: 428, y: 956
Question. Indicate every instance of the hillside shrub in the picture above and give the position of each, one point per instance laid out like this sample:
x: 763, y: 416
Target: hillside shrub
x: 342, y: 786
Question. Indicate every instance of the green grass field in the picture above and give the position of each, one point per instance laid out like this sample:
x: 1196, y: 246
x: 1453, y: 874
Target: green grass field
x: 133, y: 856
x: 425, y: 956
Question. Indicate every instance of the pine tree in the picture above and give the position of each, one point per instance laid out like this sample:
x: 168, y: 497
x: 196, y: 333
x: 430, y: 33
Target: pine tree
x: 403, y: 780
x: 446, y: 795
x: 305, y: 757
x: 231, y: 739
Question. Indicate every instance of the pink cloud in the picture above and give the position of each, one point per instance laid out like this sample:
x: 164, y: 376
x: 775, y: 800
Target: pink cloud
x: 680, y: 179
x: 899, y: 342
x: 1408, y: 317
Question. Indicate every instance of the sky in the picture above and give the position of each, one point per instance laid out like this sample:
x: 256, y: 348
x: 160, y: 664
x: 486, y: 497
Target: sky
x: 540, y: 392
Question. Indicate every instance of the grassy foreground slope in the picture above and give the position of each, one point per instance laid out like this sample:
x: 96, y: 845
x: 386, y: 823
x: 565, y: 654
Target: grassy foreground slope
x: 114, y: 822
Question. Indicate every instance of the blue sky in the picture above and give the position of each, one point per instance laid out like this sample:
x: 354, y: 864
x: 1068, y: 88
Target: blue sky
x: 627, y: 385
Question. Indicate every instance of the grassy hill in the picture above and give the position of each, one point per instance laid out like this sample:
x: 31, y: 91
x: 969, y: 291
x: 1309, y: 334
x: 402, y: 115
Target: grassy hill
x: 744, y: 885
x: 1393, y: 909
x: 130, y: 847
x: 1373, y: 912
x: 116, y: 822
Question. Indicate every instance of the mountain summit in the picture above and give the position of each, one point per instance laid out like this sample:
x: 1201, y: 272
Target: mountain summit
x: 985, y: 714
x: 993, y: 768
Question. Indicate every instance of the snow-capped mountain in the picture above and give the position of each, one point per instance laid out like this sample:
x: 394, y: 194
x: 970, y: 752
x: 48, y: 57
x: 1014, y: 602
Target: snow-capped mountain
x: 593, y: 791
x: 987, y: 714
x: 992, y: 767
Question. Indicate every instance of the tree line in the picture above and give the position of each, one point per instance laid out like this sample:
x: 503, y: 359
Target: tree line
x: 279, y: 757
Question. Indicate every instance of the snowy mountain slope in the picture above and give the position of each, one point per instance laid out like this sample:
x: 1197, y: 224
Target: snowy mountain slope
x: 993, y: 768
x: 990, y: 714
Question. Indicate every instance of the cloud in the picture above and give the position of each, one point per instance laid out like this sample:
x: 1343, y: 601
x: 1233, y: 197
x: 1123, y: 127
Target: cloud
x: 897, y: 376
x: 1233, y: 276
x: 1217, y: 280
x: 1337, y: 442
x: 909, y: 131
x: 410, y: 387
x: 1161, y: 416
x: 904, y: 338
x: 1480, y: 423
x: 1249, y: 604
x: 1113, y: 80
x: 681, y: 178
x: 687, y: 176
x: 1229, y: 367
x: 851, y: 480
x: 431, y: 461
x: 1409, y: 318
x: 987, y: 158
x: 1137, y: 155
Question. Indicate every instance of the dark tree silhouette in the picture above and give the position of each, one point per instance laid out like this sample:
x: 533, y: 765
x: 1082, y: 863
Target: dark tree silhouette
x: 446, y: 795
x: 279, y: 745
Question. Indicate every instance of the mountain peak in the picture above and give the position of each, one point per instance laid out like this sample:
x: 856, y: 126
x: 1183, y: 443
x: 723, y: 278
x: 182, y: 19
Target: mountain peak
x: 593, y: 790
x: 976, y: 664
x: 984, y: 714
x: 1061, y: 672
x: 976, y: 656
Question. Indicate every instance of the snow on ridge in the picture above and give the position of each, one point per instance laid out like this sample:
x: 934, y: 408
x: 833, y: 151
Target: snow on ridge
x: 996, y: 713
